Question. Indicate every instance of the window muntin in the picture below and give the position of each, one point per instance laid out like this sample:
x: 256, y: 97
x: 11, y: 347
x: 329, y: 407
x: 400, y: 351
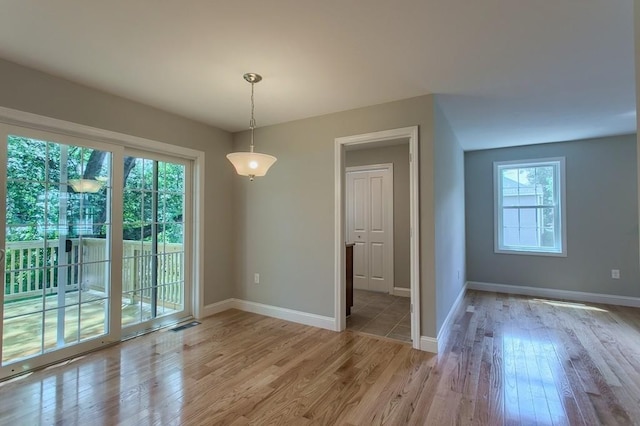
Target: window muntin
x: 529, y: 200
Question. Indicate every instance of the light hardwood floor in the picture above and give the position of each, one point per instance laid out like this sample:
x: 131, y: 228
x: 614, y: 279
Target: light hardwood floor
x: 509, y: 360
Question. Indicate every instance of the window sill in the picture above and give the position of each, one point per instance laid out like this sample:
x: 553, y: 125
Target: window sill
x: 531, y: 252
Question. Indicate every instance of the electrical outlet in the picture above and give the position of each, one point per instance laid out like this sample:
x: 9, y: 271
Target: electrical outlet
x: 615, y: 274
x: 256, y: 278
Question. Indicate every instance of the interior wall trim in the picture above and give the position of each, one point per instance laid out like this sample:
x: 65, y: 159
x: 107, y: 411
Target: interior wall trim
x: 216, y: 308
x: 428, y: 344
x: 447, y: 325
x: 402, y: 291
x: 286, y: 314
x: 576, y: 296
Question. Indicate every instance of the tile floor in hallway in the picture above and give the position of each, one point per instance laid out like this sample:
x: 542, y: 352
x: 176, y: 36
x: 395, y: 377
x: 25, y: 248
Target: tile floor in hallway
x: 381, y: 314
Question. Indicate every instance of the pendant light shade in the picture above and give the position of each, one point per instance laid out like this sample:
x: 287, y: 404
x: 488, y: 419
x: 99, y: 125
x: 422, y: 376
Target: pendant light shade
x: 83, y: 186
x: 251, y: 163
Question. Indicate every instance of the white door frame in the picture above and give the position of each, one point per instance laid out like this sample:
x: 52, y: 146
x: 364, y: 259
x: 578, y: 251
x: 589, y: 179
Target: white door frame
x: 390, y: 249
x: 410, y: 133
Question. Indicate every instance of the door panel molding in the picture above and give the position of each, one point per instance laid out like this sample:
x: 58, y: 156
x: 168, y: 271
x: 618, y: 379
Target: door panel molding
x: 369, y: 199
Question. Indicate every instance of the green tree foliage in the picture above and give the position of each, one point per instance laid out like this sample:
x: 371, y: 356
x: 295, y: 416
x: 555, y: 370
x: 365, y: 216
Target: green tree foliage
x: 35, y: 193
x: 139, y: 198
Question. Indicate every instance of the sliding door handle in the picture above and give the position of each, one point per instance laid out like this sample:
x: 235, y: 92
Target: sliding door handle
x: 2, y: 255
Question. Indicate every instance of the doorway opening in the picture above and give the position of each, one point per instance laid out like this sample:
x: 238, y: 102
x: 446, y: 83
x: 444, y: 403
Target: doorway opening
x: 374, y: 267
x: 377, y: 222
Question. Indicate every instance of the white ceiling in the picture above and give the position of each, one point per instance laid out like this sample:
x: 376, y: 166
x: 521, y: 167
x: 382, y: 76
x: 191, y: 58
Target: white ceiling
x: 510, y: 72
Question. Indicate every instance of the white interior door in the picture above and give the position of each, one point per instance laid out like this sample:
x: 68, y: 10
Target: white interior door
x: 369, y: 195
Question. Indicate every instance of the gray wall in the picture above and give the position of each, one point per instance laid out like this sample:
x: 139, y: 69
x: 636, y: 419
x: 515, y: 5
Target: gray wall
x: 449, y: 216
x: 35, y: 92
x: 636, y: 13
x: 286, y: 219
x: 399, y: 156
x: 602, y: 219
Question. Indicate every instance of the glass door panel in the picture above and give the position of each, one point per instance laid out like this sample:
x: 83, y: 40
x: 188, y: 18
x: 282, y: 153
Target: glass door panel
x: 57, y: 250
x: 153, y: 281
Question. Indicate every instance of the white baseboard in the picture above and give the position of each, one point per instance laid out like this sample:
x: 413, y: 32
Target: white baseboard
x: 401, y: 291
x: 271, y: 311
x: 428, y: 344
x: 577, y: 296
x: 217, y: 307
x: 286, y: 314
x: 445, y: 330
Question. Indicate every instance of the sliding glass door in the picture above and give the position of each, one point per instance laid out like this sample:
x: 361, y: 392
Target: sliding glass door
x: 57, y: 247
x: 154, y: 212
x: 95, y: 245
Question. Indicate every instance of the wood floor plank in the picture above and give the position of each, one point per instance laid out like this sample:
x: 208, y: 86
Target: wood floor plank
x: 395, y: 404
x: 350, y: 384
x: 367, y: 401
x: 508, y: 360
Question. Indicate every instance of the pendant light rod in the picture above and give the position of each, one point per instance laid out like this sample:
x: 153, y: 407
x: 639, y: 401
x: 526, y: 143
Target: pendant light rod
x: 252, y: 78
x: 251, y: 163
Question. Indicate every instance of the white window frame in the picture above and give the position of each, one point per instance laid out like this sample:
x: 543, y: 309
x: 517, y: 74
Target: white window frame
x: 560, y: 227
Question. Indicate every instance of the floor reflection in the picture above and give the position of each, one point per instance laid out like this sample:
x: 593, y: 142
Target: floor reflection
x: 531, y: 387
x: 572, y: 305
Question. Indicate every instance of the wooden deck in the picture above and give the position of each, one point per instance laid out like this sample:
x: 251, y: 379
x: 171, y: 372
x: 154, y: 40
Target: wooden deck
x: 23, y: 321
x: 509, y: 360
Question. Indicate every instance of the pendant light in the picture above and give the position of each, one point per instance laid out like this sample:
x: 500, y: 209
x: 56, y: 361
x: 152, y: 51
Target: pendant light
x: 87, y: 186
x: 251, y: 163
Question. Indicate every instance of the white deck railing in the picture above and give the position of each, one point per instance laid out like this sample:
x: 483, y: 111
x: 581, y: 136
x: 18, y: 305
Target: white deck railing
x: 31, y: 268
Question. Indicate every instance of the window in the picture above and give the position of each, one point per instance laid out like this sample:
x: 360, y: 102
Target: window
x: 529, y: 207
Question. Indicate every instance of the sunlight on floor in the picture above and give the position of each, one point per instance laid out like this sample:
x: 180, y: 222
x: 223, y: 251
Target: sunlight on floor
x: 570, y: 305
x: 531, y: 391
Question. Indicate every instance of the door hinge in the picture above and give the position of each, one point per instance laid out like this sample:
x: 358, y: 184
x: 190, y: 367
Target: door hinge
x: 410, y: 157
x: 411, y: 308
